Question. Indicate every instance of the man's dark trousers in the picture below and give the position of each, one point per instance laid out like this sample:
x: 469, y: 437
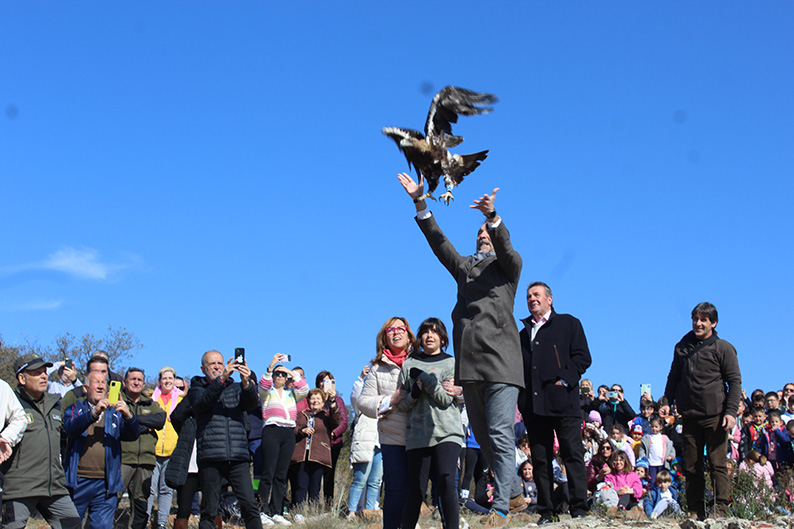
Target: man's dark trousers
x: 541, y: 430
x: 238, y: 473
x: 708, y: 432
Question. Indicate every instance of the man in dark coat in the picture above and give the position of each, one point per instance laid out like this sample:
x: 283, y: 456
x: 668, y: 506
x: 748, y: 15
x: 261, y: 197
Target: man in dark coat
x: 485, y: 336
x: 220, y: 406
x: 706, y: 385
x: 555, y: 357
x: 35, y: 477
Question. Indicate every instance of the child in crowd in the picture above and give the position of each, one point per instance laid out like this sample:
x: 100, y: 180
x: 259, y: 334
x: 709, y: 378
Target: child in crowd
x: 789, y: 415
x: 624, y: 481
x: 483, y: 494
x: 642, y: 472
x: 590, y: 441
x: 523, y: 452
x: 662, y: 497
x: 779, y: 441
x: 648, y: 409
x: 757, y: 465
x: 658, y: 448
x: 677, y: 472
x: 636, y: 439
x: 621, y: 441
x: 528, y: 487
x: 754, y: 435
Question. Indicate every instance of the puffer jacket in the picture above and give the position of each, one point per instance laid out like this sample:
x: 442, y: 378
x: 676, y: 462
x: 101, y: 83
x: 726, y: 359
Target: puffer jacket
x: 365, y: 429
x: 221, y: 422
x: 379, y: 386
x: 167, y: 436
x: 34, y: 468
x: 185, y: 426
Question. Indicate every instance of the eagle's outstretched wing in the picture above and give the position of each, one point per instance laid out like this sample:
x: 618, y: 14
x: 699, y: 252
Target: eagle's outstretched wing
x: 450, y: 102
x: 398, y: 134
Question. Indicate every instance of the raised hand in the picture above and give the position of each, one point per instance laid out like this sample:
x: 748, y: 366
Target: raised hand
x: 485, y: 203
x: 413, y: 189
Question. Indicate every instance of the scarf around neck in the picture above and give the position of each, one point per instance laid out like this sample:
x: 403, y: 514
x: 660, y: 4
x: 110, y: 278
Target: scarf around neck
x: 396, y: 358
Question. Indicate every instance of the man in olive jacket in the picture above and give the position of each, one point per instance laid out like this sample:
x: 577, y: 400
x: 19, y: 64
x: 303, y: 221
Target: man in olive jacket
x: 35, y: 480
x: 706, y: 385
x: 220, y: 406
x: 138, y: 457
x: 485, y: 335
x: 556, y: 356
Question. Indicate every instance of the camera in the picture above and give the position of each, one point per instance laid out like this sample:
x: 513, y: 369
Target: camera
x: 612, y: 394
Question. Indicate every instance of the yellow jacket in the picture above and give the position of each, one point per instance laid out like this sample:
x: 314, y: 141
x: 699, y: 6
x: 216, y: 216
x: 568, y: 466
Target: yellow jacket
x: 167, y: 437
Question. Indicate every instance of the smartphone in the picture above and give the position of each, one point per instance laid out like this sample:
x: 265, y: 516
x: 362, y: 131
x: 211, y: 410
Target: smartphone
x: 68, y: 363
x: 328, y: 385
x: 645, y: 388
x: 286, y: 358
x: 115, y: 389
x: 239, y: 355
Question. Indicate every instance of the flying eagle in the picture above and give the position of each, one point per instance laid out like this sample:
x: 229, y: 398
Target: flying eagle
x: 428, y: 153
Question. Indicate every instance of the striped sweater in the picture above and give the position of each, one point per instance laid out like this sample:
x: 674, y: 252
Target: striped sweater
x: 280, y: 410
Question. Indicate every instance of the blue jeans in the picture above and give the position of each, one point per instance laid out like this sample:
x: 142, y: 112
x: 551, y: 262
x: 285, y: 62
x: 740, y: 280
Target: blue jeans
x: 394, y: 485
x: 491, y: 407
x: 161, y: 491
x: 369, y: 474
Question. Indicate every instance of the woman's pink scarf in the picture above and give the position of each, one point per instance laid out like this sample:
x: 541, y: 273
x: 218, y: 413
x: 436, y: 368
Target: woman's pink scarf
x: 175, y: 393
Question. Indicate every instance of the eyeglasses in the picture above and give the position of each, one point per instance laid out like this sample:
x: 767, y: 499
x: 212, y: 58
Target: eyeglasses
x: 399, y: 330
x: 280, y: 374
x: 180, y: 388
x: 606, y: 448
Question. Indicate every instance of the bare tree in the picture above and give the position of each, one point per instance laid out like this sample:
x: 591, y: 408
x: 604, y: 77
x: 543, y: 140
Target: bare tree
x: 119, y: 344
x: 9, y: 354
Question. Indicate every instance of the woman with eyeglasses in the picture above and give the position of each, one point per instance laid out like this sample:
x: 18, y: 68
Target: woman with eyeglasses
x: 598, y: 467
x: 279, y: 413
x: 379, y: 399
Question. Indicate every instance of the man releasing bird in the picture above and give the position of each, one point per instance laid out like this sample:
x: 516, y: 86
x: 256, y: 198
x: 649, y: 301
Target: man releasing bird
x: 428, y: 153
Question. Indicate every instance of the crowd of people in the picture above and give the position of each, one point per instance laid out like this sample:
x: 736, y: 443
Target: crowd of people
x: 505, y: 427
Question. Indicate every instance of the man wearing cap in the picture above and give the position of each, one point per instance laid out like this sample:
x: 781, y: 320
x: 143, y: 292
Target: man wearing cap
x: 96, y: 427
x: 12, y: 425
x: 35, y: 477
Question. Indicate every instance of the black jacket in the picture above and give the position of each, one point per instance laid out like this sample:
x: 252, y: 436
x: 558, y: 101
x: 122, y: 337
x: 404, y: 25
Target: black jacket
x: 185, y: 425
x: 698, y: 377
x: 559, y: 352
x: 34, y: 469
x: 221, y: 422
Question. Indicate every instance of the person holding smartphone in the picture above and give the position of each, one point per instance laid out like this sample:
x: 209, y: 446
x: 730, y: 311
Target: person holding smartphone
x: 279, y: 413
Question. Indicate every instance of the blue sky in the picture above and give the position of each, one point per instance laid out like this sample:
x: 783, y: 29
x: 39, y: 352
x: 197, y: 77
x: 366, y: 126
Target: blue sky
x: 212, y: 174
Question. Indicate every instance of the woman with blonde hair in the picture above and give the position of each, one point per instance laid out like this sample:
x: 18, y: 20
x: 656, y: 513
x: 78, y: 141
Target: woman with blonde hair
x: 379, y: 399
x: 167, y: 396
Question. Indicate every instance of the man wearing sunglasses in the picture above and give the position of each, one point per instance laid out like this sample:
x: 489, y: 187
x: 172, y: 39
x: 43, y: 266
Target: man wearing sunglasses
x: 220, y: 406
x: 488, y: 361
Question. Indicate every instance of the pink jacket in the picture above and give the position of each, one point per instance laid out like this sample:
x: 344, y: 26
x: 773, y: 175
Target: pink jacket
x: 762, y: 472
x: 625, y: 479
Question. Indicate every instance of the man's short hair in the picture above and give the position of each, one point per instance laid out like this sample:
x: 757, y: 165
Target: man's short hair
x: 540, y: 284
x: 705, y: 308
x: 772, y: 394
x: 663, y: 476
x: 94, y: 360
x: 134, y: 370
x: 758, y: 410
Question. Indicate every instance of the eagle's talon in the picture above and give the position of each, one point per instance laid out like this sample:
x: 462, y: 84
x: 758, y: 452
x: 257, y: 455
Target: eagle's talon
x: 446, y: 197
x: 427, y: 195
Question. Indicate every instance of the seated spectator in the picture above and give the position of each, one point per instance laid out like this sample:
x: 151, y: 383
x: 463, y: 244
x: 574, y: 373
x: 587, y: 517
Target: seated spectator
x: 662, y: 497
x: 96, y: 428
x: 523, y: 452
x: 772, y: 402
x: 759, y: 467
x: 590, y: 441
x: 621, y: 441
x: 312, y: 452
x: 528, y: 487
x: 482, y: 499
x: 648, y: 410
x: 780, y: 439
x: 754, y: 435
x: 636, y: 434
x: 624, y: 481
x: 641, y: 468
x: 657, y: 448
x: 598, y: 467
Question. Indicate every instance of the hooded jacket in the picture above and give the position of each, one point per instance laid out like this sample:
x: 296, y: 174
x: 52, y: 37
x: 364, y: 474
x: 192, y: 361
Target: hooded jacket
x: 34, y: 468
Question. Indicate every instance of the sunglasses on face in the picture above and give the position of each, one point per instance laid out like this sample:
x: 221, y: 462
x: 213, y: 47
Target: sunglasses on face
x: 180, y: 388
x: 280, y: 374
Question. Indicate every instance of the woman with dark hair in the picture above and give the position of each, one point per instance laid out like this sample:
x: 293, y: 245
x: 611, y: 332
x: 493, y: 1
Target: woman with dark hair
x: 313, y: 447
x: 598, y: 467
x: 379, y: 400
x: 279, y: 413
x: 435, y: 435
